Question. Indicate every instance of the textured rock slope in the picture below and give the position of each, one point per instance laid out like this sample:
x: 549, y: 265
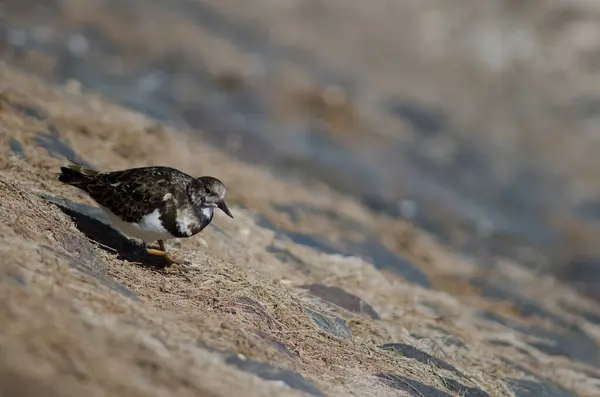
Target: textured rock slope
x: 305, y: 292
x: 460, y: 109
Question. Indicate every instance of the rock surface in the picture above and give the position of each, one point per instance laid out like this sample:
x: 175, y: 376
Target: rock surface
x: 93, y: 312
x: 309, y: 290
x: 454, y: 125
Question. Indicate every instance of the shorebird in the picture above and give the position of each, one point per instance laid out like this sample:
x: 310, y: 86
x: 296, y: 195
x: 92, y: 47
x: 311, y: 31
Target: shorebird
x: 151, y: 203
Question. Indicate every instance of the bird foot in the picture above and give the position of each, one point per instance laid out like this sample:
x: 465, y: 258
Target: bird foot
x: 169, y: 258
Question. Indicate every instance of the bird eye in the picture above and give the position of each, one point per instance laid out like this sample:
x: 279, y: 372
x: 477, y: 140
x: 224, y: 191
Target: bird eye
x: 207, y: 190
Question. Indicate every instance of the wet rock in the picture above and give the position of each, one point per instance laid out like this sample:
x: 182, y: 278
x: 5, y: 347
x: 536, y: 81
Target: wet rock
x: 590, y: 316
x: 230, y: 81
x: 517, y: 366
x: 281, y: 347
x: 16, y: 148
x: 527, y: 307
x: 383, y: 258
x: 286, y: 257
x: 57, y: 148
x: 583, y: 274
x: 411, y: 386
x: 343, y: 299
x: 296, y: 211
x: 447, y: 338
x: 503, y: 343
x: 309, y: 241
x: 533, y: 388
x: 451, y: 340
x: 417, y: 389
x: 53, y: 130
x: 421, y: 356
x: 423, y: 120
x: 463, y: 390
x: 315, y: 242
x: 589, y: 209
x: 421, y: 218
x: 528, y: 388
x: 574, y: 343
x: 16, y: 279
x: 330, y: 324
x: 370, y: 250
x: 251, y: 306
x: 29, y: 111
x: 268, y: 372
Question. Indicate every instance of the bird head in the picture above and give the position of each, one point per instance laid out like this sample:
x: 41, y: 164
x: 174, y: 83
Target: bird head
x: 209, y: 192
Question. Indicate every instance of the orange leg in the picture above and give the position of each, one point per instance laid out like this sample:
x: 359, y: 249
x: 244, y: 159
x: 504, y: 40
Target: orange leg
x: 161, y: 252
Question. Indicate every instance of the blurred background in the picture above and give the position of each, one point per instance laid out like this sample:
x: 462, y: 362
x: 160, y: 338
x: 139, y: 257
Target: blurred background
x: 478, y: 120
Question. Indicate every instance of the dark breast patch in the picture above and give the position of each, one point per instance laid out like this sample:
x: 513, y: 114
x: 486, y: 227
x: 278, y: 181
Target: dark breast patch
x: 169, y: 214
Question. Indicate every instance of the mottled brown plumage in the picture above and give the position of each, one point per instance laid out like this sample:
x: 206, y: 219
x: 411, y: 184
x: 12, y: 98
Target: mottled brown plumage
x: 151, y: 203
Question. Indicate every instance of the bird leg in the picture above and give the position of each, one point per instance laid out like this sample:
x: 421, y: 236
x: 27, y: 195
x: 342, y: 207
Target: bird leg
x: 161, y: 252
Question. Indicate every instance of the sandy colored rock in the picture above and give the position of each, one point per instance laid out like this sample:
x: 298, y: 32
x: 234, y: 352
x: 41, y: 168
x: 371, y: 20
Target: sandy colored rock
x: 83, y: 316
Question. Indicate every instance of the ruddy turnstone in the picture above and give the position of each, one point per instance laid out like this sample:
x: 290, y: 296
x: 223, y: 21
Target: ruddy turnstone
x: 151, y: 203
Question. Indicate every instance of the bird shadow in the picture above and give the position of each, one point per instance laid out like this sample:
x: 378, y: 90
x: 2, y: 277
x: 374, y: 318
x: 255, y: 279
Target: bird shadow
x: 92, y: 222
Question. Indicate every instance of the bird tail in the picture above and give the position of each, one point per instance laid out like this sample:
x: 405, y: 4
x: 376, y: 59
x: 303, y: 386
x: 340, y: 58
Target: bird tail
x: 76, y: 174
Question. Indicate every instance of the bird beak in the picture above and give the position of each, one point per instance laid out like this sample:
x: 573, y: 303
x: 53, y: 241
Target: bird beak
x: 223, y: 207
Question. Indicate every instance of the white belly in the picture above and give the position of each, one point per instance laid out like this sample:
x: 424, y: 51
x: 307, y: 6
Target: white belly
x: 149, y: 229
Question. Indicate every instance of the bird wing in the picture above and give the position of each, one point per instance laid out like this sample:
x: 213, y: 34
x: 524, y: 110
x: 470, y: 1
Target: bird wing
x: 133, y: 193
